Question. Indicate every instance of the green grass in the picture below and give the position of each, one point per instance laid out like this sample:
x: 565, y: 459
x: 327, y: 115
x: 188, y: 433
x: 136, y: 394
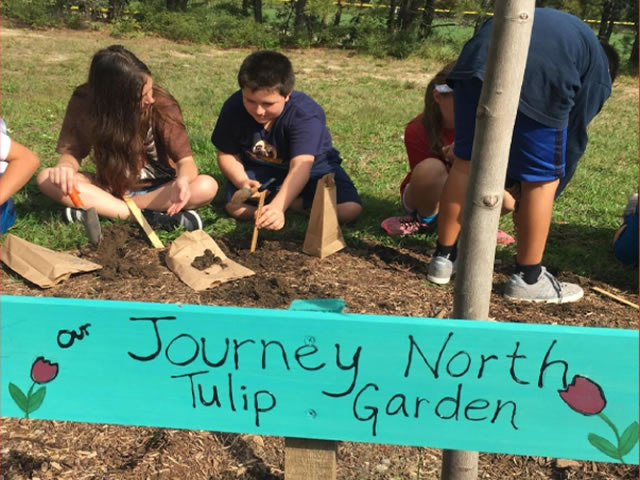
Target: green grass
x: 368, y: 101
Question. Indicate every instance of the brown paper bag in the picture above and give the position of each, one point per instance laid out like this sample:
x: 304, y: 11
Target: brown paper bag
x: 40, y: 265
x: 191, y: 247
x: 324, y: 236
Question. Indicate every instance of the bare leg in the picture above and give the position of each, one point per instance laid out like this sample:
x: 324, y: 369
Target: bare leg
x: 427, y: 181
x: 451, y: 202
x: 241, y: 211
x: 348, y: 212
x: 534, y: 220
x: 203, y: 189
x: 91, y: 195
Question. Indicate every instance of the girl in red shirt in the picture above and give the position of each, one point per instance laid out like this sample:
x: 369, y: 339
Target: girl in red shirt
x: 428, y: 138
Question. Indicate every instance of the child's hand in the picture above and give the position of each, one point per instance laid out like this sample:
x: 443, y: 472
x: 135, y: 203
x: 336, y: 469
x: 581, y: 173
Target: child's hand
x: 64, y: 177
x: 271, y: 218
x: 449, y: 157
x: 180, y: 195
x: 251, y: 184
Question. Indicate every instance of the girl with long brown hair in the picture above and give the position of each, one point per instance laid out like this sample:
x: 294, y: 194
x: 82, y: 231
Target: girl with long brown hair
x: 428, y: 139
x: 136, y: 137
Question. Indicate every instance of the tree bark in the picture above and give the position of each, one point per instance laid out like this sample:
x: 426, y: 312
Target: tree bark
x: 115, y: 8
x: 407, y: 14
x: 299, y: 19
x: 391, y: 16
x: 495, y: 118
x: 482, y: 16
x: 608, y: 8
x: 338, y: 16
x: 427, y: 18
x: 633, y: 57
x: 257, y: 11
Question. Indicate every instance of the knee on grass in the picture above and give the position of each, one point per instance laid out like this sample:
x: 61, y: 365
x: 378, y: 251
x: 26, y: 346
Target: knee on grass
x: 348, y: 211
x: 203, y: 189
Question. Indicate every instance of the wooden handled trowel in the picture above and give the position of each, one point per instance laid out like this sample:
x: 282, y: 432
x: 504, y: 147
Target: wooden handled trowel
x: 244, y: 194
x: 91, y: 221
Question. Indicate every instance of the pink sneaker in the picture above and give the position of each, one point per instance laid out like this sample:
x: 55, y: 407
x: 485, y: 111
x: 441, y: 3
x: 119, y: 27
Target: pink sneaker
x: 401, y: 225
x: 505, y: 239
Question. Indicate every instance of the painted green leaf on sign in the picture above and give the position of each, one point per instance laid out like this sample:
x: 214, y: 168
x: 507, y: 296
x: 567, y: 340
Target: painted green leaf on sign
x: 629, y: 439
x: 36, y: 399
x: 604, y: 445
x: 18, y: 397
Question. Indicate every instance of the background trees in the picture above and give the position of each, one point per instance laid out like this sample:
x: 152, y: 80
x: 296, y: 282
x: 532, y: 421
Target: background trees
x: 379, y: 27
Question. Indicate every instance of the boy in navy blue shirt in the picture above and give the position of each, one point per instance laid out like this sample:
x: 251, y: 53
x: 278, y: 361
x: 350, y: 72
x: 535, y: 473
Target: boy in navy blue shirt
x: 567, y: 79
x: 267, y: 130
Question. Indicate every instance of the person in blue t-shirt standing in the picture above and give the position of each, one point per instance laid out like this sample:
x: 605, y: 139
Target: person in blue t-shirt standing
x: 267, y: 130
x: 567, y: 79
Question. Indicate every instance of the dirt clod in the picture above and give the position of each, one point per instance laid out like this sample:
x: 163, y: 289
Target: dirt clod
x: 208, y: 258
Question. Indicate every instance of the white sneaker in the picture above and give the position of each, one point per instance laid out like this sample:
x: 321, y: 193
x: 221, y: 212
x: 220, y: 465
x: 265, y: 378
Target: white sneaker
x: 546, y: 289
x: 440, y: 270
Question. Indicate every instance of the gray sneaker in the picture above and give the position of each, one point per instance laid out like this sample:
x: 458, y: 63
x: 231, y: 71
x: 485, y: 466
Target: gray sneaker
x: 440, y: 270
x: 546, y: 290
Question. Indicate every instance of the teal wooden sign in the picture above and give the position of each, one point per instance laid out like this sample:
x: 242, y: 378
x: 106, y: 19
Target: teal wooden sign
x: 559, y: 391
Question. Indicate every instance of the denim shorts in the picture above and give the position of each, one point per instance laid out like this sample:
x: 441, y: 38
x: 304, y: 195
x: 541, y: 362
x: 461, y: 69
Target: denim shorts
x: 537, y: 152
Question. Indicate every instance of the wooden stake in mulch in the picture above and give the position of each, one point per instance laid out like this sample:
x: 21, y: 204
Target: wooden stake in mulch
x: 306, y: 459
x: 254, y: 238
x: 615, y: 297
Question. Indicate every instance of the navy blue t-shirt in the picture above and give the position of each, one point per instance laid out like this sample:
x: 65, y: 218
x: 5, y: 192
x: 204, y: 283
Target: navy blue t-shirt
x: 566, y: 79
x: 301, y: 129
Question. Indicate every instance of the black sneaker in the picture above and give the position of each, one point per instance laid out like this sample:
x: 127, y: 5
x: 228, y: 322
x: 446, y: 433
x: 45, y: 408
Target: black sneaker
x: 187, y: 219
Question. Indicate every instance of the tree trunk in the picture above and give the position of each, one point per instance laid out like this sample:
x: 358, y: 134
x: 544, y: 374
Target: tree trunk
x: 257, y: 11
x: 115, y: 8
x: 427, y: 18
x: 338, y: 16
x: 245, y: 7
x: 299, y: 19
x: 615, y: 13
x: 391, y: 16
x: 407, y: 14
x: 608, y: 8
x: 482, y: 16
x: 497, y: 108
x: 633, y: 57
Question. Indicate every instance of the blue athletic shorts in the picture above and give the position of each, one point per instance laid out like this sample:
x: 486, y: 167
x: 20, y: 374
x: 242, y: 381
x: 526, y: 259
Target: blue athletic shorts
x: 345, y: 189
x: 537, y: 152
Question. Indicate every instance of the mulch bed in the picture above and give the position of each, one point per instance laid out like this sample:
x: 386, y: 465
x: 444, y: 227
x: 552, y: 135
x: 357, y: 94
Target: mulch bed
x: 371, y: 279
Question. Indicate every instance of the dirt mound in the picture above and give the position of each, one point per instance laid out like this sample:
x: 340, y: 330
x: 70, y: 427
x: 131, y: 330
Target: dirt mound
x: 123, y: 254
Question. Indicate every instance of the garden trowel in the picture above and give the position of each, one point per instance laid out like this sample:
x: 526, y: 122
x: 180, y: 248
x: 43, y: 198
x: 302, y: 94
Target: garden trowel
x: 242, y: 195
x: 90, y: 220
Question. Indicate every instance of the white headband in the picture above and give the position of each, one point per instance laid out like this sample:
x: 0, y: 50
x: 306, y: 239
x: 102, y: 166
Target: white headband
x: 443, y: 88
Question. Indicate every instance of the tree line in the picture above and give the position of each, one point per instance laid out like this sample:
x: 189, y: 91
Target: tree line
x: 409, y: 21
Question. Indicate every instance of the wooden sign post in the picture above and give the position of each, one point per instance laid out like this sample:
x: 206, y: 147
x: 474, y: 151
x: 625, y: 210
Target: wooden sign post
x: 494, y: 387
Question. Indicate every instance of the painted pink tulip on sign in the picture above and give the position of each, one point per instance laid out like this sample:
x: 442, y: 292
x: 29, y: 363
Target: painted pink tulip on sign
x: 43, y: 371
x: 584, y: 396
